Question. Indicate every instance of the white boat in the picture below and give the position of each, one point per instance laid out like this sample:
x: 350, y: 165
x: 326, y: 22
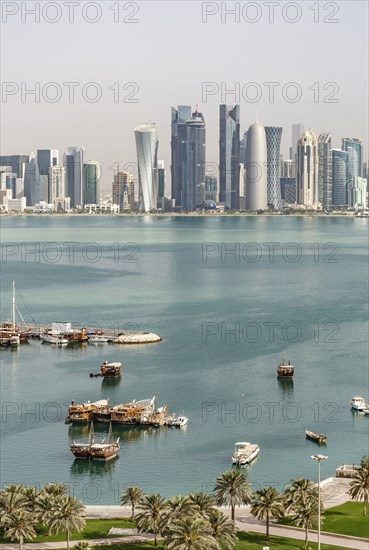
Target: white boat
x: 358, y: 404
x: 97, y: 339
x: 244, y: 453
x: 54, y: 339
x: 178, y: 421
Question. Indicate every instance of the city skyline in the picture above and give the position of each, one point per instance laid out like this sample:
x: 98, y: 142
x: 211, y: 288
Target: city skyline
x: 105, y: 127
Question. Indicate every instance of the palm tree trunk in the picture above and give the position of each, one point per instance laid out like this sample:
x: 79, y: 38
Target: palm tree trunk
x: 267, y: 526
x: 232, y: 511
x: 364, y: 511
x: 155, y: 538
x: 20, y: 544
x: 133, y: 510
x: 67, y: 538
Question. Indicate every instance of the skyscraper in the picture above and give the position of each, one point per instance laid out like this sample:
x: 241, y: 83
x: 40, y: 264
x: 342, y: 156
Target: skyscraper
x: 256, y: 168
x: 91, y: 182
x: 161, y: 179
x: 194, y: 166
x: 243, y: 144
x: 307, y: 170
x: 325, y: 170
x: 340, y: 178
x: 32, y: 182
x: 45, y: 159
x: 147, y: 160
x: 357, y: 192
x: 273, y: 140
x: 297, y: 131
x: 180, y: 117
x: 56, y: 182
x: 74, y: 160
x: 355, y: 150
x: 229, y: 155
x: 17, y: 163
x: 123, y: 190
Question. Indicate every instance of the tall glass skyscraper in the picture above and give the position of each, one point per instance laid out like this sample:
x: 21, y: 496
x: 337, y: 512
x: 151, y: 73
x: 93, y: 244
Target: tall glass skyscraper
x: 325, y: 170
x: 147, y: 160
x: 340, y: 178
x: 45, y: 159
x: 229, y: 155
x: 195, y: 159
x: 297, y: 131
x: 32, y: 182
x: 273, y: 140
x: 73, y: 162
x: 180, y: 117
x: 256, y: 168
x: 307, y: 170
x: 57, y: 182
x: 91, y: 182
x: 355, y: 150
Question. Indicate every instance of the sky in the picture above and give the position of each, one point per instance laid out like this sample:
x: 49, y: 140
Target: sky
x: 131, y: 61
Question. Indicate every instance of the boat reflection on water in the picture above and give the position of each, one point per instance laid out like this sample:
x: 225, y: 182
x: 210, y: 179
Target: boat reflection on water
x: 110, y: 382
x: 285, y: 386
x: 96, y: 468
x: 126, y: 433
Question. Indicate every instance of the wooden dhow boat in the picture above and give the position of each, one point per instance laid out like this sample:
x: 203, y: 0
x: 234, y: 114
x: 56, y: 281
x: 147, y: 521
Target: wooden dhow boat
x: 84, y: 412
x: 318, y: 438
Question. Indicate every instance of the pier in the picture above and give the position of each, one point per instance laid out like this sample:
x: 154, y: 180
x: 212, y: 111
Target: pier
x: 113, y: 335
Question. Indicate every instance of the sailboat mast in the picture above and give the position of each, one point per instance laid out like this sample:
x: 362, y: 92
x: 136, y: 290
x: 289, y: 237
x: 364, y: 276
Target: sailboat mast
x: 13, y: 305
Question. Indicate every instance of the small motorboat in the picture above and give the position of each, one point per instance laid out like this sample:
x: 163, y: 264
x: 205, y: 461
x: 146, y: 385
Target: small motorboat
x: 358, y: 404
x: 318, y: 438
x: 244, y: 453
x: 97, y: 339
x: 177, y: 421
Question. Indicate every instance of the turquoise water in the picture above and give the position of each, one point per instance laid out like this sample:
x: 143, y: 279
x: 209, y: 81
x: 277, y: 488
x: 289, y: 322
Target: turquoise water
x: 216, y: 363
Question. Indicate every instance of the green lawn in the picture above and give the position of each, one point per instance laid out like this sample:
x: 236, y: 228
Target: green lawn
x: 95, y: 528
x: 346, y: 519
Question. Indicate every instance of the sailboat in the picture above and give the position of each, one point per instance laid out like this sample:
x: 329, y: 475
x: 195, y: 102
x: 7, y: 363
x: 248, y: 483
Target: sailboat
x: 10, y: 333
x: 105, y: 450
x: 285, y: 371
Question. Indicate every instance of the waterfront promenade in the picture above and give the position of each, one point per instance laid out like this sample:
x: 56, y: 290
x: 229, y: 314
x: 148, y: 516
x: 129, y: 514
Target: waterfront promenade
x: 244, y: 522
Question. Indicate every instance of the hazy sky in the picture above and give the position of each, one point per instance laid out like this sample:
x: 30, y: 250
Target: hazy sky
x: 170, y: 52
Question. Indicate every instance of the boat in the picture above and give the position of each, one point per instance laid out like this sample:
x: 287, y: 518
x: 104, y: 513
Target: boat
x: 132, y: 413
x: 84, y: 412
x: 106, y: 449
x: 177, y: 421
x: 109, y: 370
x: 54, y: 339
x: 285, y: 371
x: 10, y: 333
x: 319, y: 438
x: 82, y: 450
x: 77, y: 336
x: 97, y: 339
x: 244, y: 453
x: 15, y: 341
x: 358, y: 404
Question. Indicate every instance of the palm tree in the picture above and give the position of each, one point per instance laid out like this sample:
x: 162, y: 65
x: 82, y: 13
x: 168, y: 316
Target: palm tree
x: 204, y: 502
x: 298, y: 488
x: 132, y: 495
x: 67, y: 515
x: 153, y: 507
x: 31, y: 495
x: 364, y: 463
x: 19, y: 525
x: 305, y: 514
x: 43, y: 509
x: 191, y: 534
x: 267, y: 503
x: 359, y: 487
x: 177, y: 509
x: 81, y: 546
x: 11, y: 498
x: 232, y: 488
x: 222, y: 529
x: 55, y: 489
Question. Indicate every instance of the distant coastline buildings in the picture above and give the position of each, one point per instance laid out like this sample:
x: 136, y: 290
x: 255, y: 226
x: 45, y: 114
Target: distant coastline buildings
x: 250, y: 173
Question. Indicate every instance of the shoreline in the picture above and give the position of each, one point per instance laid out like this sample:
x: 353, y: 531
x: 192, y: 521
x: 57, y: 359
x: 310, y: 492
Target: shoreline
x: 182, y: 214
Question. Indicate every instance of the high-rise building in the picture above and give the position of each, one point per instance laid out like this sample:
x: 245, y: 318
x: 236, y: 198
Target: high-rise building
x: 161, y: 179
x: 340, y: 178
x: 256, y: 168
x: 229, y: 155
x: 180, y: 117
x: 56, y: 179
x: 74, y: 160
x: 45, y: 159
x: 357, y: 192
x: 307, y: 170
x: 297, y: 131
x: 287, y: 169
x: 123, y: 190
x: 147, y: 160
x: 288, y: 190
x: 355, y: 150
x: 211, y: 188
x: 32, y: 182
x: 195, y: 159
x: 17, y: 163
x: 243, y: 144
x: 325, y: 170
x: 273, y: 140
x: 91, y: 182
